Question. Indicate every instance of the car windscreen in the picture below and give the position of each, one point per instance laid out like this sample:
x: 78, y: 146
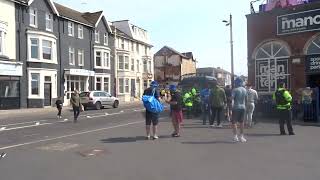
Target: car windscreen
x: 84, y: 94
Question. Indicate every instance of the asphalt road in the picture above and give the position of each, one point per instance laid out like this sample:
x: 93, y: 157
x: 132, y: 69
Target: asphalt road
x: 112, y: 146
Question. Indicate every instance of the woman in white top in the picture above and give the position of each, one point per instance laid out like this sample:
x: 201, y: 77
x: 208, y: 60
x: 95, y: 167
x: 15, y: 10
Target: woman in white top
x: 252, y: 97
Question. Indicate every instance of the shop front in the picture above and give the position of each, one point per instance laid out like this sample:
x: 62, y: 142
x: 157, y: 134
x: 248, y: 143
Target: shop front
x: 76, y: 79
x: 10, y: 73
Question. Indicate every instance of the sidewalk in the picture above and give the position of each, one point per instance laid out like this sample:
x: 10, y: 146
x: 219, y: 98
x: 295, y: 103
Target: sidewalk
x: 52, y: 109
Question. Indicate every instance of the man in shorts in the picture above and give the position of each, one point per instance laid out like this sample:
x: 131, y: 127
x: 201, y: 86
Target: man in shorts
x: 176, y: 102
x: 239, y: 96
x: 152, y: 118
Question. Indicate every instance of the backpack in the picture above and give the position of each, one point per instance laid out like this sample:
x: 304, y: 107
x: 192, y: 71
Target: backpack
x: 151, y: 103
x: 280, y: 99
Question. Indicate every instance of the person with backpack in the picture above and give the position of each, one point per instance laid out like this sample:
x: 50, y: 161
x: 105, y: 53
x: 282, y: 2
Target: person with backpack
x: 205, y: 107
x: 175, y: 101
x: 217, y: 100
x: 151, y: 117
x: 283, y: 100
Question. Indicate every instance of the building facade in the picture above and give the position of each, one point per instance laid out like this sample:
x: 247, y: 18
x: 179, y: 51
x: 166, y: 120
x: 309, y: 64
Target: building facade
x: 134, y: 63
x: 284, y: 47
x: 170, y: 66
x: 223, y: 77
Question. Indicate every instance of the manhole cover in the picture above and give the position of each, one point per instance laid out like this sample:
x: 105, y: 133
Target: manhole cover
x: 59, y: 146
x: 93, y: 152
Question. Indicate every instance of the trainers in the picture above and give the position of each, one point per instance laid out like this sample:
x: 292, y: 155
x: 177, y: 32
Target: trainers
x: 176, y: 135
x: 219, y: 126
x: 235, y: 138
x: 292, y: 134
x: 242, y: 139
x: 213, y: 125
x: 155, y: 137
x: 148, y: 137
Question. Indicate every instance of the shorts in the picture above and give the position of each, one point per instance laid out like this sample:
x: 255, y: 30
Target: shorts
x: 238, y: 115
x: 177, y: 115
x: 152, y: 118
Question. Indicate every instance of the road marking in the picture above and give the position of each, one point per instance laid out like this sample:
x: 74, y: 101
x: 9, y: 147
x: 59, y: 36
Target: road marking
x: 31, y: 122
x: 70, y: 135
x: 22, y: 127
x: 2, y: 128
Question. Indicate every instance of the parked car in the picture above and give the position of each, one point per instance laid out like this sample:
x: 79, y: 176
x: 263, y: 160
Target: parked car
x: 98, y: 99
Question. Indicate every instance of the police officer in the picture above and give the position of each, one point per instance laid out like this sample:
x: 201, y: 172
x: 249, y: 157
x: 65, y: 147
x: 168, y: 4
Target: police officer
x: 187, y: 100
x: 283, y: 100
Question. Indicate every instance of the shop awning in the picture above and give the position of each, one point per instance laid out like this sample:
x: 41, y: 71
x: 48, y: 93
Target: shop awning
x: 9, y: 68
x: 79, y: 72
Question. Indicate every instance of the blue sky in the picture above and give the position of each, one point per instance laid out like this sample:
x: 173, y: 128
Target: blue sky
x: 185, y: 25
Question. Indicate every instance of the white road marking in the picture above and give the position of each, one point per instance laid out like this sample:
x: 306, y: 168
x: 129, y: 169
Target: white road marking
x: 70, y: 135
x: 2, y: 128
x: 31, y: 122
x: 22, y: 127
x: 37, y: 123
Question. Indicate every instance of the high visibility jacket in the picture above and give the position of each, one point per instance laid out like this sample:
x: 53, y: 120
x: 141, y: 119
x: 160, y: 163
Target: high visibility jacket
x: 187, y: 100
x: 286, y: 96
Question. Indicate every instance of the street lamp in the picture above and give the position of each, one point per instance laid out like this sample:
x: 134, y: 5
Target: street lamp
x: 229, y: 23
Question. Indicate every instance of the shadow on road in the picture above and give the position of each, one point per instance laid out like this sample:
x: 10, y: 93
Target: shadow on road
x: 209, y: 142
x: 261, y: 135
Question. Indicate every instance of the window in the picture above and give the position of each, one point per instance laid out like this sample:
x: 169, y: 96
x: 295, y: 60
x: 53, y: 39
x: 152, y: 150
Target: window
x: 80, y: 31
x: 71, y: 56
x: 97, y: 36
x: 1, y: 43
x: 127, y: 86
x: 9, y: 88
x: 121, y: 87
x: 81, y: 57
x: 46, y: 50
x: 33, y: 17
x: 132, y: 64
x: 137, y: 48
x: 138, y: 66
x: 49, y: 22
x: 145, y: 66
x: 35, y: 78
x: 105, y: 37
x: 121, y: 62
x: 146, y: 50
x: 126, y: 63
x: 98, y: 58
x: 122, y: 43
x: 98, y: 83
x: 132, y: 46
x: 70, y: 28
x: 34, y: 48
x: 106, y: 59
x: 145, y: 84
x: 149, y: 67
x: 106, y: 84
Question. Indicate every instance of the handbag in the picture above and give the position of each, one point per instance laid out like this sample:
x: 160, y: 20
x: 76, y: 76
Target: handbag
x: 151, y: 103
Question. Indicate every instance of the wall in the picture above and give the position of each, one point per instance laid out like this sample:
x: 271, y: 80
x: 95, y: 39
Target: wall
x: 7, y: 15
x: 188, y: 66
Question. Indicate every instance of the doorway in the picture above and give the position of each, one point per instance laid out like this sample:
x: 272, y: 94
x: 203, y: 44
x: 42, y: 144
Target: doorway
x: 47, y: 94
x: 133, y: 88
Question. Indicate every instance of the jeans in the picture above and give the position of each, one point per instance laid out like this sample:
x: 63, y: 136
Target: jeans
x: 76, y: 112
x: 249, y: 113
x: 189, y: 112
x: 59, y: 111
x: 205, y: 113
x: 216, y: 112
x: 285, y: 117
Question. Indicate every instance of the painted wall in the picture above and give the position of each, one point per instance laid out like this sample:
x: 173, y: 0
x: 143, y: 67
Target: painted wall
x: 7, y: 15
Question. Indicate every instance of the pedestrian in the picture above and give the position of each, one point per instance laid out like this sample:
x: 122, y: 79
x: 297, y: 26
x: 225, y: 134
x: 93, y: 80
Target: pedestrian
x: 252, y: 98
x: 152, y: 118
x: 228, y: 112
x: 283, y: 100
x: 196, y: 102
x: 59, y: 105
x: 175, y: 101
x: 217, y: 102
x: 188, y: 103
x: 239, y: 96
x: 75, y: 102
x: 205, y: 107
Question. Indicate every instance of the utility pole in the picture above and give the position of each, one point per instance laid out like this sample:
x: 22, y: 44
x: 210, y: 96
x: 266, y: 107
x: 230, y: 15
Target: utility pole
x: 229, y: 23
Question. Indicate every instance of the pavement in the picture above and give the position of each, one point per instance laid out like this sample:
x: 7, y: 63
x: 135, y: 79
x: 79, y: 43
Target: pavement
x: 110, y: 144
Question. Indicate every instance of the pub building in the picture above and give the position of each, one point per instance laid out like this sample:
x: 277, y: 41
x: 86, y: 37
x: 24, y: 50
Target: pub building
x: 284, y: 46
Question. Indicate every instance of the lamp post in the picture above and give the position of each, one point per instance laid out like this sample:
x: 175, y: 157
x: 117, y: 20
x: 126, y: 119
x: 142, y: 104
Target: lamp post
x: 229, y: 23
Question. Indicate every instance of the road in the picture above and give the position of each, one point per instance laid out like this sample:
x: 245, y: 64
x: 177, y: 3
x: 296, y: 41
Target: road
x: 110, y: 144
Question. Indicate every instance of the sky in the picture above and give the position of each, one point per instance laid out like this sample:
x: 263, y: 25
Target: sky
x: 185, y: 25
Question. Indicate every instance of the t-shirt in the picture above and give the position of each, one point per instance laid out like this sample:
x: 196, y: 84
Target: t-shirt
x: 176, y: 97
x: 239, y: 96
x: 149, y: 92
x: 228, y: 92
x: 205, y: 93
x: 252, y: 96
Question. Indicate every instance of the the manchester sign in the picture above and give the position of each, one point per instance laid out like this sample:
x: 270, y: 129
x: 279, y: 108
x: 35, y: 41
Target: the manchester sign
x: 298, y: 22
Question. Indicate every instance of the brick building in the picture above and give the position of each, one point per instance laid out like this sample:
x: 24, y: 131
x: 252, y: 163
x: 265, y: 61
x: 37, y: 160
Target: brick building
x: 284, y: 46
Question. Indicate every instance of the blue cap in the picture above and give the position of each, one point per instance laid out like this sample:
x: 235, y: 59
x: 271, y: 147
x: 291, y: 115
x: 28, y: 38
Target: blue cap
x: 238, y: 82
x: 154, y: 84
x: 173, y: 87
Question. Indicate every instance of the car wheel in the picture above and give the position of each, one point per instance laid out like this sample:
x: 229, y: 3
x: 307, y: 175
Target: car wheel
x: 98, y: 105
x: 116, y: 104
x: 85, y: 108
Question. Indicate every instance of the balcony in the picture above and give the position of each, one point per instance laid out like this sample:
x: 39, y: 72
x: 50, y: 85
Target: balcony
x: 270, y: 5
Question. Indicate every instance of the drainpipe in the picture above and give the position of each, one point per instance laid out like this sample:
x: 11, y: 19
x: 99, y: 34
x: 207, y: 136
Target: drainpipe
x: 115, y: 64
x: 91, y: 58
x: 61, y: 72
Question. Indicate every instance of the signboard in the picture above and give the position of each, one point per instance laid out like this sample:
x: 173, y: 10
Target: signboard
x: 298, y: 22
x: 10, y: 68
x: 313, y: 63
x: 80, y: 72
x: 270, y: 73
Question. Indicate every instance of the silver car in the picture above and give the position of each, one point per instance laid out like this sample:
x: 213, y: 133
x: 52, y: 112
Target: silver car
x: 98, y: 99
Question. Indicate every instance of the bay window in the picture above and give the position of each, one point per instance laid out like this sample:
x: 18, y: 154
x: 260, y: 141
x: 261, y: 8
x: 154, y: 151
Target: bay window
x: 98, y: 59
x: 106, y: 84
x: 145, y: 66
x: 121, y: 85
x: 106, y: 59
x: 46, y: 50
x: 127, y: 86
x: 132, y: 64
x: 34, y: 48
x: 121, y: 62
x: 126, y: 63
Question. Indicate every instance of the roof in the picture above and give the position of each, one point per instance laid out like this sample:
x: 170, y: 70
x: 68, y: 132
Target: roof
x: 188, y: 54
x: 93, y: 18
x: 122, y: 34
x: 74, y: 15
x: 172, y: 50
